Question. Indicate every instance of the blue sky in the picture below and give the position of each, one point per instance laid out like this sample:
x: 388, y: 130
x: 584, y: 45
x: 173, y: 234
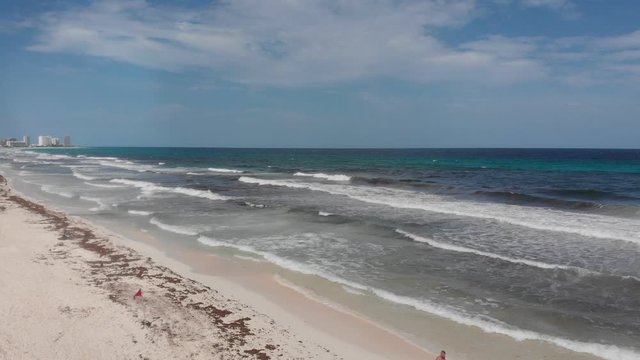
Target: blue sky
x: 319, y: 73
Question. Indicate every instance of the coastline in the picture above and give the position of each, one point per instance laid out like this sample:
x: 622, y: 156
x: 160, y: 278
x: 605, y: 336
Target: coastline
x: 95, y: 273
x: 319, y: 314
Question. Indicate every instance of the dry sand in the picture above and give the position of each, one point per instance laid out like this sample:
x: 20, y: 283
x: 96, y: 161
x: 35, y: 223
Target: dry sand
x: 66, y: 292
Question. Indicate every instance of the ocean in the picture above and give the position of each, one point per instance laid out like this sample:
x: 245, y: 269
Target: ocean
x: 528, y: 243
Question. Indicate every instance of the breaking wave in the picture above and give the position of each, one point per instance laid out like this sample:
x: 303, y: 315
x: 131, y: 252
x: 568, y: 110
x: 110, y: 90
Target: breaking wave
x: 173, y: 228
x: 221, y: 170
x: 338, y: 177
x: 140, y: 212
x: 150, y: 188
x: 589, y: 225
x: 461, y: 249
x: 81, y: 176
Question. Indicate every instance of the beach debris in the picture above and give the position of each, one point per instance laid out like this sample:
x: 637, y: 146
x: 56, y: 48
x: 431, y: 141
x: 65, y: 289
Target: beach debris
x: 138, y: 293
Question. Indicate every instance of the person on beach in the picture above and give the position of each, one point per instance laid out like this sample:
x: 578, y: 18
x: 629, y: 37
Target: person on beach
x: 442, y: 356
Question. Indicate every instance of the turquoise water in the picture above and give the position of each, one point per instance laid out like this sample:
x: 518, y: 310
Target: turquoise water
x: 598, y: 160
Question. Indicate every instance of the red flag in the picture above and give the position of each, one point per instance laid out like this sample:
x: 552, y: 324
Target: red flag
x: 139, y: 293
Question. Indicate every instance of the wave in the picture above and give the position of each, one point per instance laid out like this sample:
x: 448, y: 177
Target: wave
x: 45, y: 156
x: 413, y: 183
x: 588, y: 194
x: 526, y: 199
x: 98, y: 157
x: 107, y: 186
x: 101, y: 205
x: 338, y: 177
x: 221, y: 170
x: 484, y: 323
x: 81, y: 176
x: 173, y: 228
x: 140, y: 212
x: 259, y: 206
x: 127, y: 165
x: 196, y: 174
x: 589, y: 225
x: 50, y: 190
x: 461, y: 249
x: 149, y: 188
x: 628, y: 211
x: 322, y: 213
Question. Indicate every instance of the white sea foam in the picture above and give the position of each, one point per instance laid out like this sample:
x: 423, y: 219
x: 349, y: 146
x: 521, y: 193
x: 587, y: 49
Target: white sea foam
x: 81, y: 176
x: 150, y: 188
x: 101, y: 205
x: 338, y: 177
x: 98, y: 157
x: 44, y: 156
x: 353, y: 291
x: 259, y: 206
x: 590, y: 225
x: 140, y: 212
x: 221, y: 170
x: 250, y: 258
x: 51, y: 190
x: 196, y: 173
x: 173, y: 228
x: 461, y: 249
x: 484, y: 323
x: 107, y: 186
x: 322, y: 213
x: 127, y: 165
x: 160, y: 163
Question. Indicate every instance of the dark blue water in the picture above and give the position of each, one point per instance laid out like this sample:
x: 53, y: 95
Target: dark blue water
x: 540, y: 244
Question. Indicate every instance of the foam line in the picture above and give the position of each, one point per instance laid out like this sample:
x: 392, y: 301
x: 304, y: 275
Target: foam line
x: 173, y: 228
x: 461, y: 249
x: 338, y: 177
x: 596, y: 226
x: 221, y: 170
x: 140, y: 212
x: 148, y: 187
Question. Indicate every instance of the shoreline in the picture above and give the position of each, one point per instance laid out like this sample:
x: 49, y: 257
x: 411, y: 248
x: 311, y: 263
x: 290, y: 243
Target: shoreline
x: 107, y: 263
x: 319, y: 311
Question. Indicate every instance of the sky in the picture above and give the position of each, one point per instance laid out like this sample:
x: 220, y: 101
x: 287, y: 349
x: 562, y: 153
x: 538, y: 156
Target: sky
x: 321, y: 73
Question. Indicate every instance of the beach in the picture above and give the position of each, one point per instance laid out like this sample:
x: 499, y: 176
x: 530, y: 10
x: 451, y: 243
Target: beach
x: 67, y: 292
x: 232, y: 266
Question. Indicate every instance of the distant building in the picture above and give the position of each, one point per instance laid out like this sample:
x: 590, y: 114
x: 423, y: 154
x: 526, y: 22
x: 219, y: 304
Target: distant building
x: 55, y: 142
x: 44, y: 140
x: 15, y: 143
x: 27, y: 140
x: 67, y: 141
x: 3, y: 142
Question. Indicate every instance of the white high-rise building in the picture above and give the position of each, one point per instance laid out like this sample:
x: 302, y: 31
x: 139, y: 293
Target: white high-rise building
x: 67, y: 141
x: 44, y: 140
x: 55, y: 142
x: 27, y: 140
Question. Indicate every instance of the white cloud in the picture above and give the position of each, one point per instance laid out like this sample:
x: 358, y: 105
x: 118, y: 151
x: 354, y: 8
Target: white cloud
x: 283, y: 42
x: 567, y: 8
x: 551, y: 4
x: 318, y: 42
